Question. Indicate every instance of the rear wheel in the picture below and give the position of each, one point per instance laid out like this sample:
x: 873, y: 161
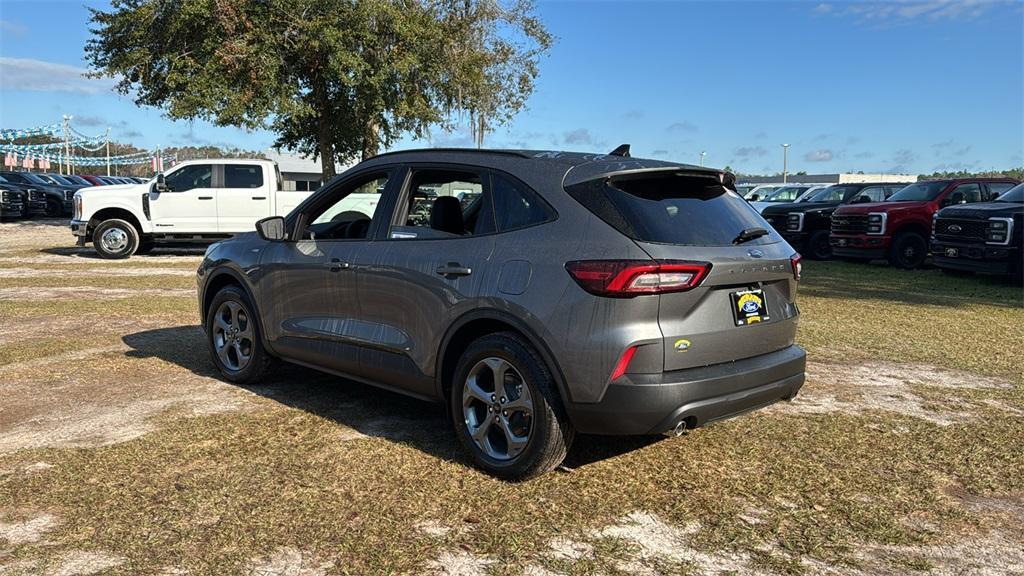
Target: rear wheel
x: 115, y: 239
x: 818, y: 247
x: 506, y: 410
x: 234, y: 338
x: 908, y: 251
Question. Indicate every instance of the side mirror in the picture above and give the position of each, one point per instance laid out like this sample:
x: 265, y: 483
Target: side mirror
x: 271, y: 229
x: 161, y: 183
x: 954, y: 198
x: 753, y: 198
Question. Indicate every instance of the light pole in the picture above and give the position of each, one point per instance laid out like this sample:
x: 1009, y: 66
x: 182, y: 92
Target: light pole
x: 785, y: 161
x: 702, y: 153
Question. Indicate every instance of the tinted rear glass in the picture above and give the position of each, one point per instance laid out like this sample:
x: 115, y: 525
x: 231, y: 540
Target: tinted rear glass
x: 243, y: 176
x: 919, y: 192
x: 1015, y: 194
x: 671, y: 209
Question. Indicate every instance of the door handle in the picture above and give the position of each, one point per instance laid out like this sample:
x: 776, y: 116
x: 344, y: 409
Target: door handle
x: 454, y: 269
x: 335, y: 265
x: 206, y: 197
x: 259, y: 197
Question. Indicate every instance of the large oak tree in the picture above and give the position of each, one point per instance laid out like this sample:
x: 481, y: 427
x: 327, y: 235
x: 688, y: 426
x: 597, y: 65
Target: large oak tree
x: 337, y: 79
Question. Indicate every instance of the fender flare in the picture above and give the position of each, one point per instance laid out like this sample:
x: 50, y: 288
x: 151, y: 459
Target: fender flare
x: 239, y: 279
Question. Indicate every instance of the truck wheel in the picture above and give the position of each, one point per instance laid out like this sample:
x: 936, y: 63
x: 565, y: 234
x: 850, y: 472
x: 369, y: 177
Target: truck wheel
x: 818, y: 247
x: 506, y: 410
x: 234, y: 337
x: 115, y: 239
x: 54, y: 208
x: 908, y: 251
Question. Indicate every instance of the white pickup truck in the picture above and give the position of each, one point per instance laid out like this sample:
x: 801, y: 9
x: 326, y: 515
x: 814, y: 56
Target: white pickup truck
x: 197, y: 200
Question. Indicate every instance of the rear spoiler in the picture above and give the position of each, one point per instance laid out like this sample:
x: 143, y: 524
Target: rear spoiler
x: 726, y: 179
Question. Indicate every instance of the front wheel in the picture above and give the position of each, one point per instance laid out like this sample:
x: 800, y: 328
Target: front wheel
x: 115, y: 239
x: 506, y: 410
x: 234, y: 338
x: 54, y: 208
x: 818, y: 247
x: 908, y: 251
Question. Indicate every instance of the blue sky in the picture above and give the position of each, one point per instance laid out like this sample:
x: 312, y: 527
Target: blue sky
x: 894, y: 86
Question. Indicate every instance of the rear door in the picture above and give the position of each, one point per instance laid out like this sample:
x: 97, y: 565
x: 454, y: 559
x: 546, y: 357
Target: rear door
x: 189, y: 204
x: 692, y: 218
x: 243, y: 197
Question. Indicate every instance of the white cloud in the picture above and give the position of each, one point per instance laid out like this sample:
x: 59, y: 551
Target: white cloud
x: 579, y: 136
x: 898, y: 11
x: 13, y: 28
x: 42, y: 76
x: 823, y: 155
x: 683, y: 126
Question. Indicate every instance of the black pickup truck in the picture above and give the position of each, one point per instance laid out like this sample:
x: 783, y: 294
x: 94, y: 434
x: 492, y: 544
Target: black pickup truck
x: 12, y: 202
x: 806, y: 225
x: 984, y: 237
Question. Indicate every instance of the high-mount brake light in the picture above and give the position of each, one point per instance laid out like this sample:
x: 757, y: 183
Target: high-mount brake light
x: 627, y: 278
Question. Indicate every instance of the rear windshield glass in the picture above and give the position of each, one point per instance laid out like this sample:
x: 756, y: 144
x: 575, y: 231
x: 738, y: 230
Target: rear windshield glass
x: 919, y: 192
x: 834, y: 194
x: 671, y: 209
x: 1015, y: 194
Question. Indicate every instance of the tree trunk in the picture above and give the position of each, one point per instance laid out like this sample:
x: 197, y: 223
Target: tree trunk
x: 326, y: 148
x: 371, y: 140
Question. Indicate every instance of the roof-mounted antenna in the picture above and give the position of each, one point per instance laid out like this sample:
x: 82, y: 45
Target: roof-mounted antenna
x: 622, y: 150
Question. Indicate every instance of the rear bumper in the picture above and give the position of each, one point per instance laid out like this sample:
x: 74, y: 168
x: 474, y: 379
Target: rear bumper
x: 655, y: 403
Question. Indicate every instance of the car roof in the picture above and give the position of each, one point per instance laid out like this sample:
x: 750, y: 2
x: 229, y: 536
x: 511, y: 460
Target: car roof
x: 574, y: 167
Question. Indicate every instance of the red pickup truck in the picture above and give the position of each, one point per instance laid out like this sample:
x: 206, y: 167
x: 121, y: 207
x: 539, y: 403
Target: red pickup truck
x: 898, y: 228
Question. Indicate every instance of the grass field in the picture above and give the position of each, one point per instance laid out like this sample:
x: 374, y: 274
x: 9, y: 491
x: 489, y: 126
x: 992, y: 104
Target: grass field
x: 121, y: 453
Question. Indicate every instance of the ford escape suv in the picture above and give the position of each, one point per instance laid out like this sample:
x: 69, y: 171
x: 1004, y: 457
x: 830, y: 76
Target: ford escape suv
x: 533, y: 294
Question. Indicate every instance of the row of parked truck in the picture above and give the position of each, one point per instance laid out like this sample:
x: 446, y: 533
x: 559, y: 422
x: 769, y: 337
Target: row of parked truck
x: 30, y: 194
x: 967, y: 224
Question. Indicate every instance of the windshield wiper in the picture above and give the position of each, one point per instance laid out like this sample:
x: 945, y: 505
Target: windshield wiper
x: 749, y: 234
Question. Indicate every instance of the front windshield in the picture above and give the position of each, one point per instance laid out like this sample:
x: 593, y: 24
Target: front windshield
x: 35, y: 179
x: 1015, y: 194
x: 784, y: 194
x: 920, y: 192
x: 832, y: 194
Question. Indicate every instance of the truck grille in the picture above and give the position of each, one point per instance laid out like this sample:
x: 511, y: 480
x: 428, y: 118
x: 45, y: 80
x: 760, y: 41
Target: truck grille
x: 954, y: 229
x: 777, y: 221
x: 36, y: 195
x: 850, y: 223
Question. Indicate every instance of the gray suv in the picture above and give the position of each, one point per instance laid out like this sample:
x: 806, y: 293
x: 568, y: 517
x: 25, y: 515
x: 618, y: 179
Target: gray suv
x: 533, y: 294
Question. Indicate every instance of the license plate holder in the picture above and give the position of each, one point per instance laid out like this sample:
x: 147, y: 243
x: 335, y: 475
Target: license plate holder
x: 749, y: 307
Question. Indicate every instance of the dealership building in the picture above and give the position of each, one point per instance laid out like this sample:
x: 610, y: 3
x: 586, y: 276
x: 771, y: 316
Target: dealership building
x: 299, y: 172
x: 841, y: 178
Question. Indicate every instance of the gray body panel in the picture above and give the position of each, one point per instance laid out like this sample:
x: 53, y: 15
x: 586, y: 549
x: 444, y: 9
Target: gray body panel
x: 385, y: 316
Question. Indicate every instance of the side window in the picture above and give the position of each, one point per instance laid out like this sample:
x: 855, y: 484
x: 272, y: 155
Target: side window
x: 243, y: 176
x: 995, y: 189
x: 971, y: 192
x: 442, y: 204
x: 347, y: 212
x: 876, y: 193
x: 516, y: 206
x: 189, y: 177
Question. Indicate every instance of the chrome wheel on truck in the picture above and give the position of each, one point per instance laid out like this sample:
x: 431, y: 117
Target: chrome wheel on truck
x: 498, y: 408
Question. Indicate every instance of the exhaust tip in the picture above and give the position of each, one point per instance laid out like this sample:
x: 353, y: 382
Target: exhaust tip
x: 678, y: 430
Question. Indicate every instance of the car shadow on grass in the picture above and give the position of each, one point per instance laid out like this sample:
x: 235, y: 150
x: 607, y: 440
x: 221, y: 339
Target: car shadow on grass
x: 161, y: 250
x: 366, y: 410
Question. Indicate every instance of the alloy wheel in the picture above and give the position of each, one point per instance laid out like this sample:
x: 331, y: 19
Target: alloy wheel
x: 497, y: 408
x: 233, y: 335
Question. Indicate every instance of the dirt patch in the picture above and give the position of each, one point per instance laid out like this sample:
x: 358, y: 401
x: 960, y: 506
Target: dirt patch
x: 289, y: 561
x: 433, y: 528
x: 992, y: 554
x: 73, y: 563
x: 92, y: 272
x: 885, y: 387
x: 92, y: 293
x: 29, y: 531
x: 460, y: 563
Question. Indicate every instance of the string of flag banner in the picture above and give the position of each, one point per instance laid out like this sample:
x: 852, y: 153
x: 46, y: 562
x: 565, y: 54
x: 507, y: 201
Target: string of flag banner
x: 30, y: 156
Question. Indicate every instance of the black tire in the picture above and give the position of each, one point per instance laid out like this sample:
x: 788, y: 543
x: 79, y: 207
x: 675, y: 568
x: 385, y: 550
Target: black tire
x: 818, y: 247
x: 54, y: 208
x: 146, y: 246
x: 550, y: 433
x: 115, y: 250
x: 260, y: 361
x: 908, y: 251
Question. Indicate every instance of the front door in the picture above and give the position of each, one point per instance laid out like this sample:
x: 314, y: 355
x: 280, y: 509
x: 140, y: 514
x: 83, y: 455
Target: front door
x: 308, y: 283
x: 243, y: 197
x: 427, y: 269
x: 188, y: 205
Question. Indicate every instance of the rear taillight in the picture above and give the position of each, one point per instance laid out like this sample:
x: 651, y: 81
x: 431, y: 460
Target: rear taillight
x: 627, y: 278
x: 798, y: 267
